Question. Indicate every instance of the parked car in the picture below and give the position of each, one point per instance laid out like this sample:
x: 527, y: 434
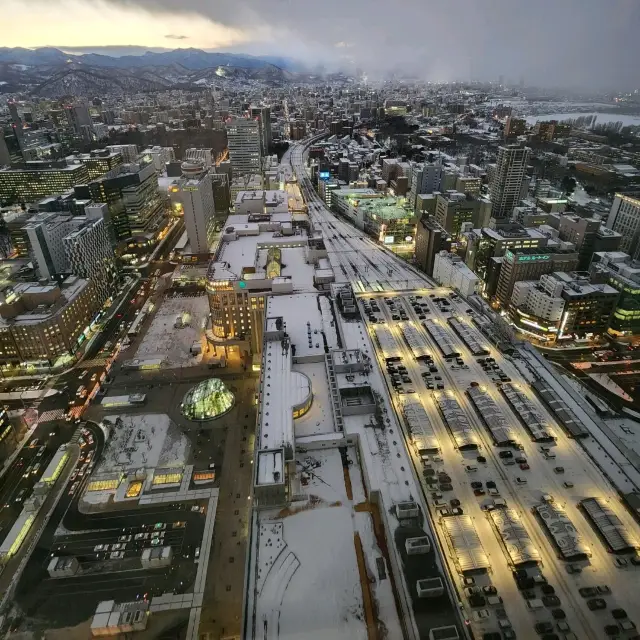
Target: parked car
x: 596, y: 604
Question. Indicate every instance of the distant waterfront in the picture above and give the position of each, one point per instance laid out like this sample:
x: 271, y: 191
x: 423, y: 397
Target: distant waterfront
x: 603, y: 118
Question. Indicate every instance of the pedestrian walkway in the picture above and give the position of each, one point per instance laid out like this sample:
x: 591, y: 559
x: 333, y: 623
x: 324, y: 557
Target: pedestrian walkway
x: 51, y: 415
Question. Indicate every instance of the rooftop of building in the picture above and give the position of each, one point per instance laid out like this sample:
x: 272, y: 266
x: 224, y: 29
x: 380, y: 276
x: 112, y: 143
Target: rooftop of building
x: 271, y: 197
x: 576, y: 283
x: 513, y: 231
x: 244, y: 248
x: 69, y: 290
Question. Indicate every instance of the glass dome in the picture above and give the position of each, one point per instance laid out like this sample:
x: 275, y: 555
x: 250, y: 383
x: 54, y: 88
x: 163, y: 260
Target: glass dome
x: 207, y: 400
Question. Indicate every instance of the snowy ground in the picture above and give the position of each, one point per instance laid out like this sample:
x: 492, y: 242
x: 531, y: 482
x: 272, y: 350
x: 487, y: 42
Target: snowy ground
x: 163, y: 340
x: 308, y: 583
x: 627, y: 430
x: 143, y: 441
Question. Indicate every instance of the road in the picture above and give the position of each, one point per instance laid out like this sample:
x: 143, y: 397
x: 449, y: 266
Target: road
x: 72, y: 533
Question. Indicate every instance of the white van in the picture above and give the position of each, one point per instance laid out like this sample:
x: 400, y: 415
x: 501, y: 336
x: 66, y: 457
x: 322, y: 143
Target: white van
x: 535, y: 604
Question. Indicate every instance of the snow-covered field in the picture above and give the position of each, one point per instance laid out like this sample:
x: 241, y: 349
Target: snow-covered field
x: 143, y: 441
x: 164, y: 340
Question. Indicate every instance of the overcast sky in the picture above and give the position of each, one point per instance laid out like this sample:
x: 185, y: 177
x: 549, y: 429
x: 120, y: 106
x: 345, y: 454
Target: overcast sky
x: 550, y: 42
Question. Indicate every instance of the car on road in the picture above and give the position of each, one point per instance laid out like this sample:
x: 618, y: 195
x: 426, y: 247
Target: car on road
x: 603, y: 589
x: 101, y: 547
x: 596, y: 604
x: 520, y: 480
x: 588, y: 592
x: 141, y: 536
x: 156, y: 542
x: 489, y: 590
x: 116, y: 555
x: 125, y: 538
x: 196, y: 553
x: 21, y: 495
x: 83, y: 374
x: 74, y: 486
x: 524, y: 466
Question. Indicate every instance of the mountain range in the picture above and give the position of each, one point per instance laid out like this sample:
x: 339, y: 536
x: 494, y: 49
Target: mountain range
x: 51, y: 72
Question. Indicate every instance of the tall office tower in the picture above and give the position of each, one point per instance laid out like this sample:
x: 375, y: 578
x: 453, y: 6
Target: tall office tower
x: 243, y: 140
x: 89, y: 253
x: 264, y: 118
x: 195, y: 193
x: 425, y: 178
x: 624, y: 218
x: 5, y: 156
x: 79, y: 118
x: 16, y: 121
x: 507, y: 181
x: 129, y: 152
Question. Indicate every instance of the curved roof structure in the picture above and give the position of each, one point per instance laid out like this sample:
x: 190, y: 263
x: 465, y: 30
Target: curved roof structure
x: 209, y: 399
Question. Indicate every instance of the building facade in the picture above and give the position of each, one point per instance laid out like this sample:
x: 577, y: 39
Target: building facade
x: 29, y: 185
x: 194, y: 191
x: 624, y: 218
x: 44, y: 322
x: 507, y: 181
x: 245, y: 146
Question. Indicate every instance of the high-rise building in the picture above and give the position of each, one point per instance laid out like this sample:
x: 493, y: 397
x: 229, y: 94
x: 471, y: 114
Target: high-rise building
x: 587, y: 235
x: 507, y: 181
x: 624, y: 218
x: 617, y: 269
x: 45, y: 232
x: 16, y: 122
x: 263, y: 114
x: 245, y: 146
x: 29, y: 185
x: 129, y: 152
x: 97, y: 162
x: 44, y: 322
x: 5, y: 156
x: 89, y: 253
x: 194, y: 191
x: 454, y: 209
x: 160, y: 156
x: 515, y: 127
x: 131, y: 193
x: 431, y: 238
x: 78, y: 116
x: 425, y: 178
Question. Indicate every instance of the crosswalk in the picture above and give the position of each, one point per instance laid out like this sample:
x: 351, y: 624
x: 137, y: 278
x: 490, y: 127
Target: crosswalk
x: 52, y: 414
x: 95, y: 362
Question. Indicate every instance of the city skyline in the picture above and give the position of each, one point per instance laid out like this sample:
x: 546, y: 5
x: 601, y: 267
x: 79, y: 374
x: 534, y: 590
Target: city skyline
x: 546, y: 43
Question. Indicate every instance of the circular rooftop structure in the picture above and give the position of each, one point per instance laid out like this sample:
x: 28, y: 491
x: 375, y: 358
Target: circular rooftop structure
x: 208, y: 400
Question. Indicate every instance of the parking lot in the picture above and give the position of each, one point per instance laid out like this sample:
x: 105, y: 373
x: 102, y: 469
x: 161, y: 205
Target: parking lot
x: 489, y: 456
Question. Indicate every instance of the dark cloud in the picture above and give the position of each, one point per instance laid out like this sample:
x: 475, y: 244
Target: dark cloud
x: 552, y: 42
x: 173, y: 36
